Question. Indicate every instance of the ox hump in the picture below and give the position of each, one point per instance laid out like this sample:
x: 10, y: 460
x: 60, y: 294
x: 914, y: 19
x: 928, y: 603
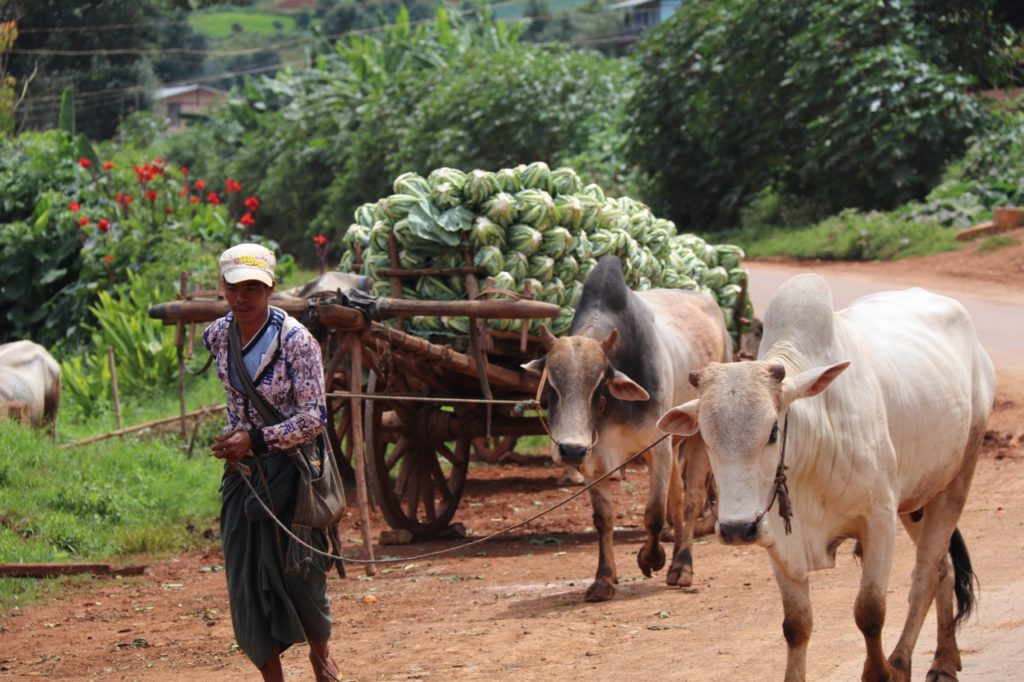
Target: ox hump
x: 801, y: 311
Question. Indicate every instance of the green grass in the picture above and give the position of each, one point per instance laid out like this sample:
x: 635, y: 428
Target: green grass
x: 120, y: 499
x: 219, y: 24
x: 114, y: 499
x: 515, y: 10
x: 850, y: 235
x: 995, y: 243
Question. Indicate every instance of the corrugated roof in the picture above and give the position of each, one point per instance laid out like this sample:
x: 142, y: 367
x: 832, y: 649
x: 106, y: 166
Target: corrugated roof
x: 627, y: 4
x: 164, y: 93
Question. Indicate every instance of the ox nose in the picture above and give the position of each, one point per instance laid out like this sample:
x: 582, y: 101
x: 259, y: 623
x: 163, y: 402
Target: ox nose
x: 737, y: 533
x: 572, y: 454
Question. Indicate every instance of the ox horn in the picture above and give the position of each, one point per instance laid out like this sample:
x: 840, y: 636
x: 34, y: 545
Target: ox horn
x: 609, y: 340
x: 546, y: 337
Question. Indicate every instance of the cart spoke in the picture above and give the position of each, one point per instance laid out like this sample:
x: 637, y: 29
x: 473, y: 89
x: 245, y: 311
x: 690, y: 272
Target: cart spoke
x: 396, y: 453
x: 440, y: 482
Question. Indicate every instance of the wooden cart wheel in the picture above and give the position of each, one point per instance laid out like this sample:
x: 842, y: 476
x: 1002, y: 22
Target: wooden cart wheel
x: 416, y: 471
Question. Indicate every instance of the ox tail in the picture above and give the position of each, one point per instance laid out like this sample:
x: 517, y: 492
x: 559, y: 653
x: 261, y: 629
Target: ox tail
x: 965, y: 581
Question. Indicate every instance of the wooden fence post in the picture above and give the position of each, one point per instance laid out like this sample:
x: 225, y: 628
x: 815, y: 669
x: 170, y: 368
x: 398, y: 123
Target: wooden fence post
x: 113, y: 387
x: 180, y: 344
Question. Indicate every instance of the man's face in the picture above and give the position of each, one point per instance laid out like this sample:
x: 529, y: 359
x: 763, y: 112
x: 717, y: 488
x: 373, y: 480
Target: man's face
x: 248, y: 300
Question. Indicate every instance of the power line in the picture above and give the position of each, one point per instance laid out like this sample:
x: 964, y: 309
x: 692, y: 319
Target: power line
x: 140, y: 52
x: 595, y: 40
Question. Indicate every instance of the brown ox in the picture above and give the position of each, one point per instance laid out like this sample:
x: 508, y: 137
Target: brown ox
x: 624, y: 362
x: 30, y: 375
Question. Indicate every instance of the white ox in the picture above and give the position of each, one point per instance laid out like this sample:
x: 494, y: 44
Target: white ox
x: 30, y: 375
x: 896, y: 437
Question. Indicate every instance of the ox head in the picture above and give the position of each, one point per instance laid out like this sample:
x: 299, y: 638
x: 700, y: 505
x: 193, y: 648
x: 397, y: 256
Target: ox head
x: 740, y: 410
x: 579, y: 380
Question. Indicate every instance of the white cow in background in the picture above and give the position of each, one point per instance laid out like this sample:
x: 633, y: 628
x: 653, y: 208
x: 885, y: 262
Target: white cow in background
x: 894, y: 439
x: 29, y: 374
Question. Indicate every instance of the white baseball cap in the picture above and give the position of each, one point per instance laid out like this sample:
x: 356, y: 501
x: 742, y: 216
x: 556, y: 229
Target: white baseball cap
x: 246, y: 262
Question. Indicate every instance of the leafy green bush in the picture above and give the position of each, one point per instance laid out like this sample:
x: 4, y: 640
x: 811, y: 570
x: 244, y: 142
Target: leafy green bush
x: 842, y: 104
x: 144, y: 350
x: 291, y: 138
x: 990, y: 174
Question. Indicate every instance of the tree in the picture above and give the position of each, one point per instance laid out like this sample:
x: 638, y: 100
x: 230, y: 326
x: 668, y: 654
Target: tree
x: 74, y: 43
x: 179, y: 34
x: 852, y: 103
x: 8, y: 34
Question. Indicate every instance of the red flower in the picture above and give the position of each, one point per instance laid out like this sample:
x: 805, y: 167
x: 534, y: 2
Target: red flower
x: 83, y: 221
x: 126, y: 199
x: 167, y: 210
x: 146, y: 173
x: 103, y: 225
x: 232, y: 185
x: 184, y: 171
x: 107, y: 165
x: 200, y: 185
x: 193, y: 200
x: 158, y: 161
x: 320, y: 240
x: 247, y: 219
x: 75, y: 206
x: 151, y: 195
x: 184, y: 190
x: 213, y: 198
x: 252, y: 203
x: 85, y: 163
x: 107, y: 259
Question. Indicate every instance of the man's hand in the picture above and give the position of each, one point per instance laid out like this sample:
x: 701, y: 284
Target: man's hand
x: 232, y: 446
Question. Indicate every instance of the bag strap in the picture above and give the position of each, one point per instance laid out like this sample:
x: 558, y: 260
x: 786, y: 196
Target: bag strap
x: 270, y: 415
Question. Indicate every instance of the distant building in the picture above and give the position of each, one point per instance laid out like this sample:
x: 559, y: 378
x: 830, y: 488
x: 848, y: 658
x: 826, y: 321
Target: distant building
x: 173, y: 102
x: 640, y: 15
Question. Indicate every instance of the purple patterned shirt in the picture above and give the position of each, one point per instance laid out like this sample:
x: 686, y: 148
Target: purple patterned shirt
x: 292, y: 380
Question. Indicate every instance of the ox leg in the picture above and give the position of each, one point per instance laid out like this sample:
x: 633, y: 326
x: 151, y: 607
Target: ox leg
x: 934, y: 533
x: 660, y: 464
x: 877, y: 546
x: 603, y: 587
x: 696, y: 468
x: 796, y: 624
x: 946, y: 663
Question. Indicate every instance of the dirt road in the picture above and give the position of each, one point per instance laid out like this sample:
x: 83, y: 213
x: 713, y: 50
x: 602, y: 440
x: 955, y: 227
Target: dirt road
x: 514, y: 609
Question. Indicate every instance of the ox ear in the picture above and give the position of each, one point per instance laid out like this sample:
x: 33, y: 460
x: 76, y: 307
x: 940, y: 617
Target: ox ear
x: 535, y: 367
x: 624, y: 388
x: 812, y: 382
x: 681, y: 420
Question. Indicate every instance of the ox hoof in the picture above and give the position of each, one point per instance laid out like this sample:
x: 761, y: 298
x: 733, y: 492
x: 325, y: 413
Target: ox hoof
x: 681, y: 576
x: 941, y: 676
x: 651, y: 561
x: 600, y: 590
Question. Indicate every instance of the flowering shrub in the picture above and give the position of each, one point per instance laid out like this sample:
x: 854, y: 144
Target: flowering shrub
x: 154, y: 214
x: 100, y: 222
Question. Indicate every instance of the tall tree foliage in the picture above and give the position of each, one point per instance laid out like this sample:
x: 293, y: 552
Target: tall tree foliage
x: 291, y: 138
x: 849, y: 103
x: 72, y: 43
